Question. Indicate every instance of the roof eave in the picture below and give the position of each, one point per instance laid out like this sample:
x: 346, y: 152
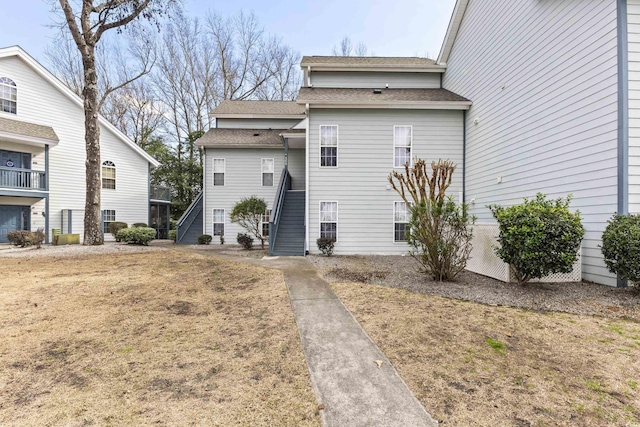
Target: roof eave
x: 375, y: 68
x: 412, y: 105
x: 248, y: 145
x: 256, y: 116
x: 27, y: 139
x: 452, y: 31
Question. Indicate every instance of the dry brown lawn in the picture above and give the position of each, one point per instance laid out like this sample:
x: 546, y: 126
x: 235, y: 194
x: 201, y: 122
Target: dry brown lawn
x: 167, y: 338
x: 479, y: 365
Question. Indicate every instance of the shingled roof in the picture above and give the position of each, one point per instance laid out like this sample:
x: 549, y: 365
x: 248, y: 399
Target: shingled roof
x: 309, y: 95
x: 366, y: 60
x: 30, y: 130
x: 222, y: 137
x: 257, y: 109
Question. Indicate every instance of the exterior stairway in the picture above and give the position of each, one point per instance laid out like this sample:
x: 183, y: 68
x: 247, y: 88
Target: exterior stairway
x: 290, y: 237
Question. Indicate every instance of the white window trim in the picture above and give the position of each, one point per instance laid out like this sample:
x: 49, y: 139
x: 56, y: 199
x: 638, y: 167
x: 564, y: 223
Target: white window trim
x: 102, y: 216
x: 394, y: 146
x: 213, y: 222
x: 393, y: 237
x: 115, y: 180
x: 14, y: 87
x: 273, y: 180
x: 213, y: 172
x: 320, y: 217
x: 320, y: 147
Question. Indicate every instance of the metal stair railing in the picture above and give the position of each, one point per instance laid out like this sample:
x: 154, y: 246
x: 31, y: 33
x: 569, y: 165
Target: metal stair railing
x: 182, y: 222
x: 278, y: 205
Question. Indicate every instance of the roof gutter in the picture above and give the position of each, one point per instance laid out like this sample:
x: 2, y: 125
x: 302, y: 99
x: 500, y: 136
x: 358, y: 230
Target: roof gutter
x: 433, y: 105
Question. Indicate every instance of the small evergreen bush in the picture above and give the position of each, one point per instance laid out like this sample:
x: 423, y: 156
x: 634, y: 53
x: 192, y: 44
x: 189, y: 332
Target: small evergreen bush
x: 204, y: 239
x: 115, y: 227
x: 138, y: 236
x: 248, y: 213
x: 245, y: 240
x: 326, y: 245
x: 621, y: 247
x: 139, y: 225
x: 172, y: 235
x: 538, y: 237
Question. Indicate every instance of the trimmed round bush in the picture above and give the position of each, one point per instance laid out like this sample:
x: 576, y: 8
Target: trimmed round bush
x: 539, y: 237
x: 326, y: 245
x: 621, y: 247
x: 115, y: 227
x: 137, y: 236
x: 204, y: 239
x: 172, y: 235
x: 140, y: 225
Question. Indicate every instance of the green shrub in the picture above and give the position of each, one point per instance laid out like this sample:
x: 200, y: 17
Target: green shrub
x: 204, y: 239
x: 140, y: 225
x: 245, y: 240
x: 538, y: 237
x: 138, y: 236
x: 173, y: 224
x: 172, y: 235
x: 325, y: 245
x: 115, y: 227
x: 248, y: 213
x: 621, y: 247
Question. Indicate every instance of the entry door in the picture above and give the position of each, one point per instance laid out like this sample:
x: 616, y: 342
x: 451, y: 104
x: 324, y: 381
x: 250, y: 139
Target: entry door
x: 10, y: 219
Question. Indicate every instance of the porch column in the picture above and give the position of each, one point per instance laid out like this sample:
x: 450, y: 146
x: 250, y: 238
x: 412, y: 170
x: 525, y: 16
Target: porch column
x: 46, y: 215
x: 46, y: 167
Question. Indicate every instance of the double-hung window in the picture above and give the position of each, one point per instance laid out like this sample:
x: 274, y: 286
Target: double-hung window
x: 267, y: 172
x: 218, y: 222
x: 329, y: 146
x: 265, y: 222
x: 401, y: 215
x: 219, y: 166
x: 8, y: 95
x: 109, y: 175
x: 329, y: 220
x: 108, y: 216
x: 402, y: 139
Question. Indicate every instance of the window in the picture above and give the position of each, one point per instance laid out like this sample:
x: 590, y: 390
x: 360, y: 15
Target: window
x: 329, y: 146
x: 8, y: 95
x: 329, y: 220
x: 109, y: 175
x: 402, y: 136
x: 400, y: 221
x: 108, y: 216
x: 265, y: 222
x: 218, y: 222
x: 219, y: 166
x: 267, y: 172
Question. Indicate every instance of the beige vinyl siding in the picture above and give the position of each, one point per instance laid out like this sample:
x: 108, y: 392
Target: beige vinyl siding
x: 297, y: 167
x: 633, y: 15
x: 365, y: 159
x: 355, y: 79
x: 542, y: 77
x: 243, y: 178
x: 40, y: 102
x: 257, y: 123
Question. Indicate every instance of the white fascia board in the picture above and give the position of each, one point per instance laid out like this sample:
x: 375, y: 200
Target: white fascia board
x: 441, y: 105
x: 452, y: 31
x: 256, y: 116
x: 28, y: 140
x: 395, y: 69
x: 58, y: 84
x: 223, y: 146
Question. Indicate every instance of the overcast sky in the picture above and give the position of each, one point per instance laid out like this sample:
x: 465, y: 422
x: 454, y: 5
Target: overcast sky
x: 388, y: 28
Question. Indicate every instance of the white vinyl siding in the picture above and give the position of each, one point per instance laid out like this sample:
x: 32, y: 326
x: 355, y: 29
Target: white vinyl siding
x: 633, y: 14
x: 329, y: 220
x: 328, y: 146
x: 297, y: 169
x: 241, y: 182
x: 400, y: 221
x: 542, y: 77
x: 267, y: 165
x: 219, y: 168
x: 360, y: 184
x: 374, y: 80
x: 218, y: 222
x: 41, y: 103
x: 402, y: 137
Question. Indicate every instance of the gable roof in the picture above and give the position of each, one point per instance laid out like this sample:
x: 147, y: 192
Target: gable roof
x: 257, y: 109
x: 17, y: 51
x: 452, y: 31
x: 399, y: 98
x: 226, y: 138
x: 371, y: 63
x: 30, y: 131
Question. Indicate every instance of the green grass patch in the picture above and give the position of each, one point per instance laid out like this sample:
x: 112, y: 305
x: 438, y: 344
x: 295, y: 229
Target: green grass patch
x: 496, y: 345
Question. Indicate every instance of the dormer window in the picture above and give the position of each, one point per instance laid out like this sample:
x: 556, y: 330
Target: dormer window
x: 8, y: 95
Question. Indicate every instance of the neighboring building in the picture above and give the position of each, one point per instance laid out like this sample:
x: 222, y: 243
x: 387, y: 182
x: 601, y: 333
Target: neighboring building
x: 556, y: 107
x: 42, y: 156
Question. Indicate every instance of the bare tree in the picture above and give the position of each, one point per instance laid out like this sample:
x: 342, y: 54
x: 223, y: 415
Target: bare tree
x: 346, y: 48
x: 87, y: 26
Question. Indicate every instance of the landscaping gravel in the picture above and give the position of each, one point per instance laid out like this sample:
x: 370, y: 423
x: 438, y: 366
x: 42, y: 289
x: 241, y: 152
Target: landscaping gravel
x: 401, y: 272
x: 7, y: 251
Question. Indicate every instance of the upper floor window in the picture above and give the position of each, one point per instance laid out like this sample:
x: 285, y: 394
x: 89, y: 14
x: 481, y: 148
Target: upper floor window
x: 329, y: 146
x: 402, y: 136
x: 219, y: 166
x: 267, y: 172
x: 109, y: 175
x: 8, y: 95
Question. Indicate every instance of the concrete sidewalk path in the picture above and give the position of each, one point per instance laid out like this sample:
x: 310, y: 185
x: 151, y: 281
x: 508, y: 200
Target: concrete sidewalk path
x: 342, y: 358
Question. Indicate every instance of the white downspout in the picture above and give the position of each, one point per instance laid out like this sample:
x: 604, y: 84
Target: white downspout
x: 306, y: 193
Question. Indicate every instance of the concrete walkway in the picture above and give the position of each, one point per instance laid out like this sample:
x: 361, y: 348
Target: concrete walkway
x: 341, y: 357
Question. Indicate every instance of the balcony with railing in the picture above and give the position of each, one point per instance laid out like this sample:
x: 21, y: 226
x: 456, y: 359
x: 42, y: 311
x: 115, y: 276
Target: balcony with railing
x: 162, y: 194
x: 22, y: 179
